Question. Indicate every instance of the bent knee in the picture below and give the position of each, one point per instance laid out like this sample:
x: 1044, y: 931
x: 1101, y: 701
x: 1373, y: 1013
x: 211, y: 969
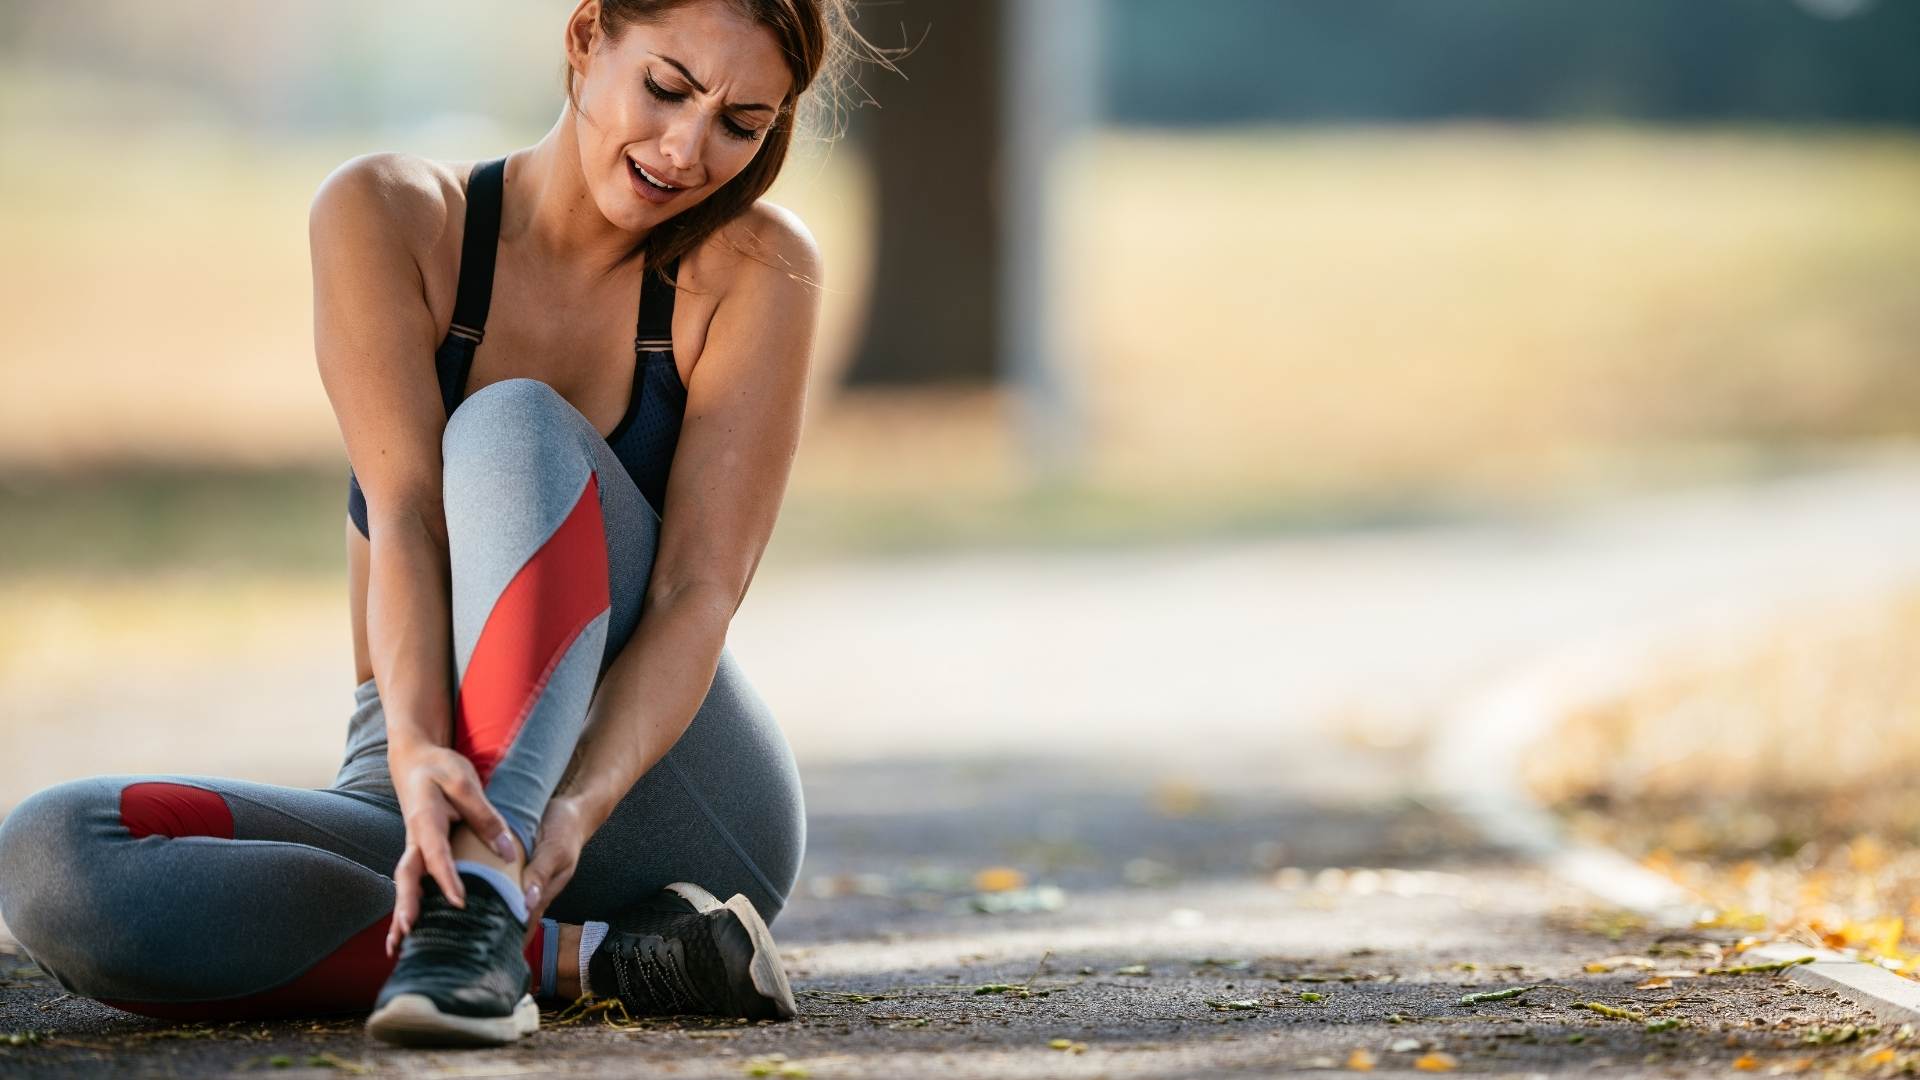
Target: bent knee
x: 50, y: 860
x: 515, y: 459
x: 513, y: 408
x: 62, y: 862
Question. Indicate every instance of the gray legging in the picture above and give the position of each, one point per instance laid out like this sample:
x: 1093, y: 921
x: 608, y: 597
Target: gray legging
x: 192, y: 896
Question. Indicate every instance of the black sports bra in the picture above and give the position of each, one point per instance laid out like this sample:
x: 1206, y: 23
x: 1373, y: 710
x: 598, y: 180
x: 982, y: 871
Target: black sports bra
x: 645, y: 437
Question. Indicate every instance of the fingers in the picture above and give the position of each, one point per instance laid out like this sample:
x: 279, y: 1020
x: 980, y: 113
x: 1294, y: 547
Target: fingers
x: 406, y: 898
x: 437, y: 853
x: 470, y: 801
x: 544, y: 879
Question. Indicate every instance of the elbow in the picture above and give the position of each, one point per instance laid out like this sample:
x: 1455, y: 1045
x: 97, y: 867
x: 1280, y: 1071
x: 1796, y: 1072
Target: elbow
x: 420, y: 516
x: 702, y: 598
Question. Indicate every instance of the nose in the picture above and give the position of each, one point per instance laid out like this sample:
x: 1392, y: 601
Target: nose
x: 681, y: 142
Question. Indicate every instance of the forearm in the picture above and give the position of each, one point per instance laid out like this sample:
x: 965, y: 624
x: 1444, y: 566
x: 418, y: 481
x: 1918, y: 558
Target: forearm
x: 649, y: 695
x: 409, y: 630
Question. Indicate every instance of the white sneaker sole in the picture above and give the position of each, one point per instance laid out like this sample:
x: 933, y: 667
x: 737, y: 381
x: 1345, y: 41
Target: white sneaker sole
x: 414, y: 1020
x: 769, y: 978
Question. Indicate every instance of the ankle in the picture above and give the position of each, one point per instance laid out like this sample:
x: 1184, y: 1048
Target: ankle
x: 467, y: 846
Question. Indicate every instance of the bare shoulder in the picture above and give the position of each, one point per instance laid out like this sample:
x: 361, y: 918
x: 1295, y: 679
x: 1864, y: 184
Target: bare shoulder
x: 401, y: 196
x: 765, y: 244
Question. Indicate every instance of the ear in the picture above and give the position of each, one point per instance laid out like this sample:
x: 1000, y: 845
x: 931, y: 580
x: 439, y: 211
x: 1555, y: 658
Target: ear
x: 583, y: 35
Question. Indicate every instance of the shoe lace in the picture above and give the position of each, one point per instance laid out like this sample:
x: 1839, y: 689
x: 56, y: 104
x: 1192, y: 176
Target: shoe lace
x: 650, y: 975
x: 449, y: 937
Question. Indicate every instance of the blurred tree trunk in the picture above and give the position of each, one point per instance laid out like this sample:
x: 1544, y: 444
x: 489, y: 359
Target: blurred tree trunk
x: 935, y: 141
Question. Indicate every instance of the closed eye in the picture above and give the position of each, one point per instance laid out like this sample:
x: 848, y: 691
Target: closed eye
x: 733, y: 129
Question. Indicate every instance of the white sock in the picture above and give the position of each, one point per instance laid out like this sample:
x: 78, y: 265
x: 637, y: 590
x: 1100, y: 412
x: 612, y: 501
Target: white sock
x: 591, y: 935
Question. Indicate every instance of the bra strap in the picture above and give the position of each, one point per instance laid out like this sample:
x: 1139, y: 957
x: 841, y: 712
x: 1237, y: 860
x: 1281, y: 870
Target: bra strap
x: 655, y: 330
x: 484, y: 189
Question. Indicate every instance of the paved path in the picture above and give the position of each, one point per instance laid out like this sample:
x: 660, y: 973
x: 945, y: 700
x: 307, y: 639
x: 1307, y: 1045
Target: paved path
x: 1186, y: 933
x: 1146, y: 736
x: 1231, y: 652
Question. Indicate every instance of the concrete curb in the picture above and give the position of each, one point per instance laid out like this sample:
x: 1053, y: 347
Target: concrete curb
x: 1473, y: 770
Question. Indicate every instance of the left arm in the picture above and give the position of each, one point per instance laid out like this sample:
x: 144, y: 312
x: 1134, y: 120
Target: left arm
x: 745, y: 401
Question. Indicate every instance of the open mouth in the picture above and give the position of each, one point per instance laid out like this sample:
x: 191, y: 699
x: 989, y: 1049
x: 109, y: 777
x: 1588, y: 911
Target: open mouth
x: 649, y: 179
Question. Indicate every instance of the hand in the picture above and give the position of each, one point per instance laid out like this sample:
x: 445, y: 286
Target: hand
x: 436, y: 786
x: 564, y: 830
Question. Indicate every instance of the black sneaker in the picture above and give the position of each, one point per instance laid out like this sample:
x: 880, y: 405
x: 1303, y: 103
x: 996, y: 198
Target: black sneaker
x: 461, y: 979
x: 682, y: 951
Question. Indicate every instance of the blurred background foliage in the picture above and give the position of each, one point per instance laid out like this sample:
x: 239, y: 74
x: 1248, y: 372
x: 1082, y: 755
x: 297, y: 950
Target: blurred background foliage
x: 1320, y: 263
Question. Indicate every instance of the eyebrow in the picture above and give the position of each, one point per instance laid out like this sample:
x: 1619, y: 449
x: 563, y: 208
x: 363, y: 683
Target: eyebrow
x: 696, y: 85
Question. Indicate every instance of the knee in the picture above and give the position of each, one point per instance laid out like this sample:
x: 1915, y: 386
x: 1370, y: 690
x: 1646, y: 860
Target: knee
x: 48, y: 867
x: 509, y: 414
x: 516, y: 435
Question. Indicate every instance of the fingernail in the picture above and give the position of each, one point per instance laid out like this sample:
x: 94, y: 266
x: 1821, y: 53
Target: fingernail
x: 504, y: 845
x: 533, y: 894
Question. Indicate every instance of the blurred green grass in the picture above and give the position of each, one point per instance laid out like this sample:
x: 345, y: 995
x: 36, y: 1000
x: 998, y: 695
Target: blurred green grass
x: 249, y: 523
x: 288, y: 521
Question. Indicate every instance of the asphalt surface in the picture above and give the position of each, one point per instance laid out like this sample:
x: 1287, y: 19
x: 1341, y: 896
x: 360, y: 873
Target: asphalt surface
x: 1175, y: 929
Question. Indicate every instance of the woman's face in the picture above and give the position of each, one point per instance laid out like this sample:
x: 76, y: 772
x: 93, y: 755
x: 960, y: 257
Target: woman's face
x: 685, y: 101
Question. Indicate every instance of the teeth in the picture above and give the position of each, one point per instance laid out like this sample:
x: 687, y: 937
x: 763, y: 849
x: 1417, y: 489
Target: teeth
x: 650, y: 178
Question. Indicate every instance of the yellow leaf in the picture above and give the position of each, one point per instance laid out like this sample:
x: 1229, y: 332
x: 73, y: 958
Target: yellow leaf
x: 1880, y: 1057
x: 1654, y: 983
x: 998, y: 879
x: 1866, y: 854
x: 1746, y: 1061
x: 1435, y: 1062
x: 1176, y: 798
x: 1360, y: 1061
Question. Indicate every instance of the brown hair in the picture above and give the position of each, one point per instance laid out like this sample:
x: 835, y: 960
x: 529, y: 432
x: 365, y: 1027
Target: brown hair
x: 817, y: 39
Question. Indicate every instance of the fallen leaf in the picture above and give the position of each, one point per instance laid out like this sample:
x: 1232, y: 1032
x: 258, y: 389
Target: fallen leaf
x: 1437, y: 1061
x: 1604, y: 1009
x: 1746, y: 1061
x: 1655, y: 983
x: 1360, y: 1061
x: 1177, y: 798
x: 1404, y: 1046
x: 775, y: 1065
x: 998, y: 879
x: 1606, y: 964
x: 1494, y: 995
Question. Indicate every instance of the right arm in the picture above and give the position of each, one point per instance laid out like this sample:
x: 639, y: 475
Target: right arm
x: 374, y: 342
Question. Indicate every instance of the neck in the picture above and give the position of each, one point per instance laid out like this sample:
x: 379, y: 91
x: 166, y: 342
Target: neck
x: 555, y: 212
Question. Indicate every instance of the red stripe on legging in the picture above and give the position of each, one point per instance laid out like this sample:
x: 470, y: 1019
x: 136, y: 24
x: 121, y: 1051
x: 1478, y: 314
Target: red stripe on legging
x: 347, y: 979
x: 172, y: 810
x: 561, y: 589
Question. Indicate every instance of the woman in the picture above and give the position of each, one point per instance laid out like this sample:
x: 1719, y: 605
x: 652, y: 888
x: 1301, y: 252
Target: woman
x: 552, y: 753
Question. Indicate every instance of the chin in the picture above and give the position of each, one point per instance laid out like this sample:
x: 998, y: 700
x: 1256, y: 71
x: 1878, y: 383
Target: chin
x: 623, y: 211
